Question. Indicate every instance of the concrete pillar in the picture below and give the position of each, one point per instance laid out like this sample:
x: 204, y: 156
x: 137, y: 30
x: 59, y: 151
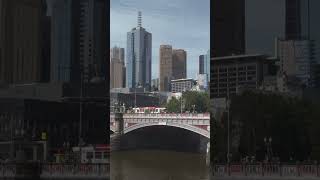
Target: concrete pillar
x: 35, y: 152
x: 119, y: 123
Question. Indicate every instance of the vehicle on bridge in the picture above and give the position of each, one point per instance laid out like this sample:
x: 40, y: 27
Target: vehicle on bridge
x: 152, y: 110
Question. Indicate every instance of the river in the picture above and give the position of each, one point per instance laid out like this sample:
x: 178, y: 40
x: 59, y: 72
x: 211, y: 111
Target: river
x: 158, y: 165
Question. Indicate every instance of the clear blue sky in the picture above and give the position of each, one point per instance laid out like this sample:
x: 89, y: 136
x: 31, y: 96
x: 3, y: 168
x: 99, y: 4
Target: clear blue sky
x: 184, y: 24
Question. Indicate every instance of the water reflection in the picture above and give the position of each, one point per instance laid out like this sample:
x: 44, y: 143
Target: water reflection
x: 158, y: 165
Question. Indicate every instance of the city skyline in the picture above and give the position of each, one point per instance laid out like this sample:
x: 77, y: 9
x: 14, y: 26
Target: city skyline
x: 183, y: 33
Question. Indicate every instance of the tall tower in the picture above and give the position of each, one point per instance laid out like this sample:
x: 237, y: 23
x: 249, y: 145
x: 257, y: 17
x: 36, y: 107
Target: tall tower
x: 20, y: 41
x: 179, y: 64
x: 138, y: 65
x: 116, y: 67
x: 165, y: 68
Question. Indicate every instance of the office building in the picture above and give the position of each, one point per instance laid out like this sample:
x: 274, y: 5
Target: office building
x: 62, y: 45
x: 138, y: 62
x: 179, y: 64
x: 296, y: 60
x: 229, y: 26
x: 165, y: 67
x: 93, y: 40
x: 264, y: 22
x: 117, y: 67
x: 201, y: 64
x: 79, y: 47
x: 21, y: 41
x: 204, y: 65
x: 173, y: 65
x: 181, y: 85
x: 232, y: 74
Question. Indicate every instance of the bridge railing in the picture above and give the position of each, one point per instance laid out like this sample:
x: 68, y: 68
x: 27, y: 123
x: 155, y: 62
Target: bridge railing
x: 267, y: 169
x: 169, y: 115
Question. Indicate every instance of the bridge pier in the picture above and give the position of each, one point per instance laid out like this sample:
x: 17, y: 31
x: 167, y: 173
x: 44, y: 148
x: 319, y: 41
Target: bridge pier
x: 115, y: 138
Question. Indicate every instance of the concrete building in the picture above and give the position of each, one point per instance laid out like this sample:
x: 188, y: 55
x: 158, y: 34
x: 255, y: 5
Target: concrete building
x: 232, y: 74
x: 179, y: 64
x: 181, y: 85
x: 229, y: 26
x: 79, y: 35
x: 62, y: 47
x: 117, y: 67
x: 173, y: 65
x: 201, y: 64
x: 204, y: 65
x: 139, y: 54
x: 165, y: 67
x: 155, y: 83
x: 93, y: 40
x: 21, y: 41
x: 296, y: 60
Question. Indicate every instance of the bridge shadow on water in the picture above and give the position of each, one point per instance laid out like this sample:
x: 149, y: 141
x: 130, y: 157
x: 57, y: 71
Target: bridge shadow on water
x: 163, y: 138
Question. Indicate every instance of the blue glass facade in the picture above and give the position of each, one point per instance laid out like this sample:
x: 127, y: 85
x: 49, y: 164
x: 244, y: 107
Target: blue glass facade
x: 138, y: 62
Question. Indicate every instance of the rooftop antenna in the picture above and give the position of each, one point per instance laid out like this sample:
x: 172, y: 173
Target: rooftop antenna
x: 139, y: 19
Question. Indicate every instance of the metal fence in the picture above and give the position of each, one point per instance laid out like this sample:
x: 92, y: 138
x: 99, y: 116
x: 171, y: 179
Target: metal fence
x: 267, y: 169
x: 56, y: 170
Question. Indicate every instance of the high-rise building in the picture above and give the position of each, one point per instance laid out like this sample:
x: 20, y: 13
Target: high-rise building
x: 228, y: 22
x: 204, y: 65
x: 201, y: 64
x: 165, y: 68
x: 138, y: 62
x: 79, y: 41
x: 62, y: 40
x: 296, y: 60
x: 117, y: 67
x: 93, y: 40
x: 173, y: 65
x: 21, y: 41
x: 264, y: 22
x: 179, y: 64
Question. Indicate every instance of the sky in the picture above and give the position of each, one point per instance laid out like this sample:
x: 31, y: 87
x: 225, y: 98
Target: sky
x: 184, y: 24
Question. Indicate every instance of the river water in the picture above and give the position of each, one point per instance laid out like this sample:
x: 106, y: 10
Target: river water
x: 158, y: 165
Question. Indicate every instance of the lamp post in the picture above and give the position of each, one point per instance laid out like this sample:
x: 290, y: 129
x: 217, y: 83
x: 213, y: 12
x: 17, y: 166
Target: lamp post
x: 268, y: 144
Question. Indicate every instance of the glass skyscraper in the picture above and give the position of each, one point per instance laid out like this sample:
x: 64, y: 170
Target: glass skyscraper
x: 138, y: 64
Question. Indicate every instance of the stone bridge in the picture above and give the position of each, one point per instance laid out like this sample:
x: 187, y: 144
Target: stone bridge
x: 197, y: 123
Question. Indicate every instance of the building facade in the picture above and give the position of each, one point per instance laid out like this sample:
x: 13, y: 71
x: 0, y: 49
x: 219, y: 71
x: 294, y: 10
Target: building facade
x: 296, y: 60
x: 173, y: 65
x: 20, y: 41
x: 62, y: 46
x: 179, y: 64
x: 165, y: 67
x: 139, y: 54
x: 117, y: 68
x: 229, y: 26
x: 181, y: 85
x: 232, y: 74
x: 79, y: 41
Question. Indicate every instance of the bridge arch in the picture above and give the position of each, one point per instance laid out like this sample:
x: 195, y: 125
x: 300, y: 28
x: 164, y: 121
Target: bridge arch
x: 171, y: 124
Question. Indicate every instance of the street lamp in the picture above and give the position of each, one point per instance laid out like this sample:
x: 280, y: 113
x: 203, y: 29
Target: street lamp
x: 267, y: 142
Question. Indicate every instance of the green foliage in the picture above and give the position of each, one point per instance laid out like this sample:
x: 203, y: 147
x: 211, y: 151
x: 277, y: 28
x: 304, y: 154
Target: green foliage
x: 292, y: 123
x: 173, y: 106
x: 198, y: 101
x: 191, y: 100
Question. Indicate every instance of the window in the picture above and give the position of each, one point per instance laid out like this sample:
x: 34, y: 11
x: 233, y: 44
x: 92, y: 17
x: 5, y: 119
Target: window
x: 89, y: 155
x: 98, y: 155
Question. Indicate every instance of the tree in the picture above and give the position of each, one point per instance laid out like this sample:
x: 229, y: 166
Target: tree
x: 173, y: 106
x: 198, y: 101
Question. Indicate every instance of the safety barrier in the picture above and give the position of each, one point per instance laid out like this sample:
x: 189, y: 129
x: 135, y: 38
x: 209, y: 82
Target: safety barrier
x: 72, y: 170
x: 267, y: 169
x: 47, y: 170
